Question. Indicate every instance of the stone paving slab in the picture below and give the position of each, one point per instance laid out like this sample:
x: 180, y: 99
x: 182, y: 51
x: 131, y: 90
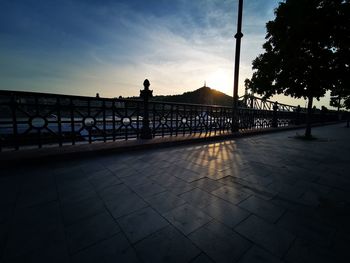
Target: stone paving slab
x: 114, y: 249
x: 220, y: 243
x: 141, y: 223
x: 268, y: 236
x: 306, y: 251
x: 268, y: 198
x: 75, y: 211
x: 102, y: 179
x: 165, y: 201
x: 258, y: 255
x: 306, y: 228
x: 262, y: 208
x: 230, y: 194
x: 167, y: 245
x: 36, y: 229
x: 226, y: 213
x: 148, y: 189
x: 187, y: 218
x: 207, y: 184
x: 56, y: 253
x: 199, y: 198
x: 90, y: 231
x: 202, y: 258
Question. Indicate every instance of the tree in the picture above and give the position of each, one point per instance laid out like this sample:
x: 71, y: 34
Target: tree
x: 340, y: 94
x: 300, y: 50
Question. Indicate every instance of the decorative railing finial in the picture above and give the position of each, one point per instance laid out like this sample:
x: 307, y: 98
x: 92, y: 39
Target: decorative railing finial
x: 146, y: 84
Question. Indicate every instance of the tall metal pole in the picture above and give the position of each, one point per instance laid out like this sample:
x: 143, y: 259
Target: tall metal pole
x: 238, y: 36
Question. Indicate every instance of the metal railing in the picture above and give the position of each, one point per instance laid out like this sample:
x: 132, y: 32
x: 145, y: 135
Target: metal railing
x: 29, y: 119
x: 252, y: 102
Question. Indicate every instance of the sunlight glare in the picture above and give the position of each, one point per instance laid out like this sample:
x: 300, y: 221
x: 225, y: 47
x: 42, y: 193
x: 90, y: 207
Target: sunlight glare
x: 221, y: 80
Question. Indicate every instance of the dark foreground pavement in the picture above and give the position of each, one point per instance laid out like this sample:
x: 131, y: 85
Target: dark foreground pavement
x: 268, y: 198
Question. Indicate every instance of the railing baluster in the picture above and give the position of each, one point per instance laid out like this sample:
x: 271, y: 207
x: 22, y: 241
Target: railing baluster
x: 89, y: 114
x: 165, y: 119
x: 59, y: 122
x: 208, y: 120
x: 190, y: 116
x: 216, y: 121
x: 113, y: 119
x: 154, y: 119
x: 137, y: 120
x: 183, y: 124
x: 14, y: 120
x: 104, y: 120
x: 71, y: 106
x: 177, y: 120
x: 202, y: 121
x: 126, y: 114
x: 195, y: 120
x: 171, y: 119
x: 37, y: 113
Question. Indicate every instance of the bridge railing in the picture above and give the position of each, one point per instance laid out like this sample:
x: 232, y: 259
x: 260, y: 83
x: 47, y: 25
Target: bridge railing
x: 29, y: 119
x: 252, y: 102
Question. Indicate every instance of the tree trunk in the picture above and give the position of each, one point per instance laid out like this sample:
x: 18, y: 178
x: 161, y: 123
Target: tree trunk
x: 309, y: 117
x: 339, y: 114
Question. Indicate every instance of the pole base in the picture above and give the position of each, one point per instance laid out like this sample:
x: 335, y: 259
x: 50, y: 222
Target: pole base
x: 234, y: 128
x: 146, y: 134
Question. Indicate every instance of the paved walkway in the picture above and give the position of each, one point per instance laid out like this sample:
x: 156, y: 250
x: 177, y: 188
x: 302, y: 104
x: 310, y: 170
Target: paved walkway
x: 268, y: 198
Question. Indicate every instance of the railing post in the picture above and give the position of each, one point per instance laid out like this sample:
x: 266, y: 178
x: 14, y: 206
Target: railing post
x: 13, y: 105
x: 145, y: 94
x: 274, y: 116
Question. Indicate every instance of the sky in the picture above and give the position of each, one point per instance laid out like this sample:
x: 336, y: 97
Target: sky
x: 84, y: 47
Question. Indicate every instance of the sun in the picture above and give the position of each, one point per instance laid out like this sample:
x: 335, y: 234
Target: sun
x: 221, y: 80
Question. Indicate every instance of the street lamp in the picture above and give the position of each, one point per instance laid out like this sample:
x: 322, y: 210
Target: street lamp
x: 238, y: 36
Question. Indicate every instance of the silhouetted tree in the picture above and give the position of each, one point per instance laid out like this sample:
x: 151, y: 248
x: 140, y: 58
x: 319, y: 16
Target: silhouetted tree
x: 340, y: 94
x: 301, y: 51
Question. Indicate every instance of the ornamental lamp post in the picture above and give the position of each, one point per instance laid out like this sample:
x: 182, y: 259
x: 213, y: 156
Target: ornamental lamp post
x: 238, y: 36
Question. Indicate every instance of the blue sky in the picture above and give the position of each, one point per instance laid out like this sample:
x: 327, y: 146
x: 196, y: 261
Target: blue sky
x: 88, y: 46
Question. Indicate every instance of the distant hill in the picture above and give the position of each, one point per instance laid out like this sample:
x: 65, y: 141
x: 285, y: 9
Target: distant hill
x: 203, y: 95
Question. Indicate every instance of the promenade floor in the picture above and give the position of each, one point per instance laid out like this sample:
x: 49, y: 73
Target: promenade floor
x: 264, y: 198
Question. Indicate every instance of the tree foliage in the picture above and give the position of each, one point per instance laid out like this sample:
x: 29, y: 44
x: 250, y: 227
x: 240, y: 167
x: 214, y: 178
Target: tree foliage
x: 306, y: 51
x: 340, y: 94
